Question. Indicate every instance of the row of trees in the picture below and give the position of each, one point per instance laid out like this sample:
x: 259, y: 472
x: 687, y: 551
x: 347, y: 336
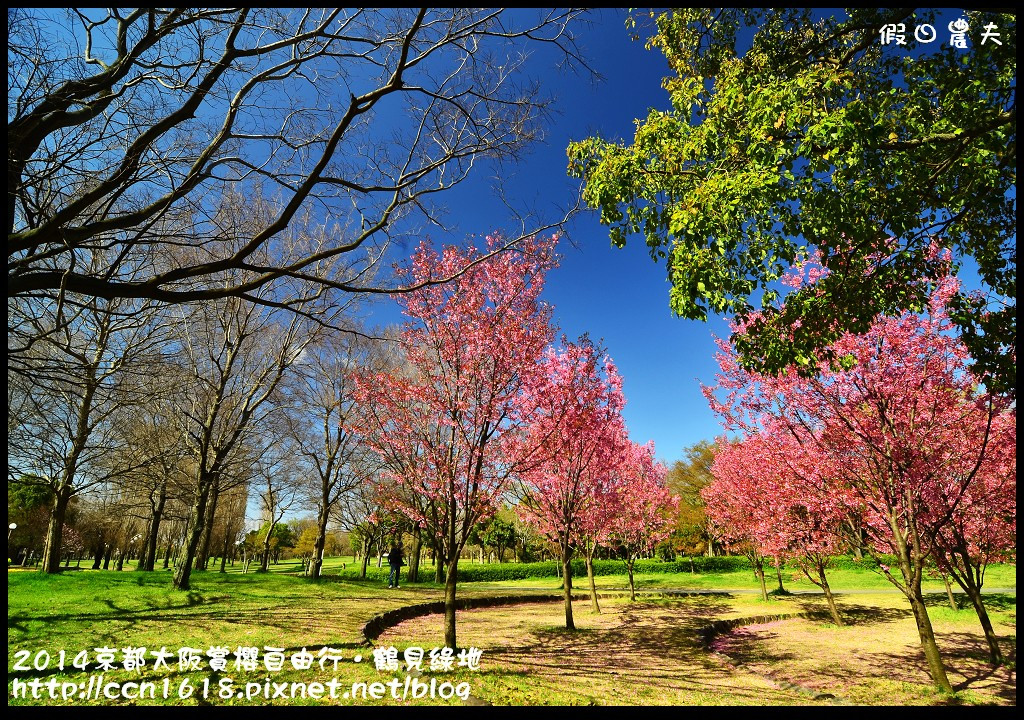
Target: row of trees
x: 176, y: 409
x: 195, y: 199
x: 896, y: 448
x: 487, y: 407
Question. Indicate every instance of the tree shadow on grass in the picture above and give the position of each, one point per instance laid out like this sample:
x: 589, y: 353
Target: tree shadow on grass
x: 967, y: 656
x: 853, y: 614
x: 649, y: 645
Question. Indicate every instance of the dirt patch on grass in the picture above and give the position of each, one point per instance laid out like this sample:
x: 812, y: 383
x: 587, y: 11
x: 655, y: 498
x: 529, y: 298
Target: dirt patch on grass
x: 880, y: 662
x: 645, y: 653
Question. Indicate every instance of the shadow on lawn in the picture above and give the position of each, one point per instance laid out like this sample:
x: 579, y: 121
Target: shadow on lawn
x: 650, y: 645
x: 867, y: 665
x: 852, y: 613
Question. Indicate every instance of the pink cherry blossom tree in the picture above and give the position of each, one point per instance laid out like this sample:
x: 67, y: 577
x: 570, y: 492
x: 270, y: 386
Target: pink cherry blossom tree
x: 577, y: 437
x: 901, y: 427
x: 982, y: 524
x: 643, y: 507
x: 785, y: 513
x: 449, y: 428
x: 735, y: 507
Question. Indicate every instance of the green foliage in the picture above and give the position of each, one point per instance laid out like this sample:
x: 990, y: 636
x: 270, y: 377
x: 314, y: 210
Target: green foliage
x: 686, y: 478
x: 817, y: 137
x: 500, y: 532
x: 26, y: 495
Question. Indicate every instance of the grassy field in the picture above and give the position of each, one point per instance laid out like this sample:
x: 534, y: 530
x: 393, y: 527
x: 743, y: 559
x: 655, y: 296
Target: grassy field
x: 647, y: 653
x: 1002, y: 576
x: 527, y: 658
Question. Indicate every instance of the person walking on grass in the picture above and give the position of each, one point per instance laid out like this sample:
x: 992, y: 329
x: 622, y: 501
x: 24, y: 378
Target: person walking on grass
x: 396, y: 563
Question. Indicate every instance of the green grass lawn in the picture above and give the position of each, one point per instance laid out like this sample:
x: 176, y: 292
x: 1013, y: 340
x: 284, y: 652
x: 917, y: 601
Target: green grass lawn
x: 999, y: 575
x: 84, y: 610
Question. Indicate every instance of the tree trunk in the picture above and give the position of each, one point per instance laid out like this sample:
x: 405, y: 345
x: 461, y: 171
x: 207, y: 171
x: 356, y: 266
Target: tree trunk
x: 366, y: 559
x: 317, y: 561
x: 203, y: 557
x: 778, y: 572
x: 224, y: 555
x: 593, y: 585
x: 438, y: 567
x: 149, y: 555
x: 632, y: 585
x: 265, y: 560
x: 55, y: 530
x: 106, y: 556
x: 995, y: 654
x: 759, y: 572
x: 567, y: 586
x: 449, y: 602
x: 836, y: 618
x: 949, y: 592
x: 927, y: 635
x: 98, y: 557
x: 196, y: 520
x: 167, y: 553
x: 414, y: 555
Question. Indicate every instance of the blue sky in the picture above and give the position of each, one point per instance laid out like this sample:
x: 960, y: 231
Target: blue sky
x: 618, y: 296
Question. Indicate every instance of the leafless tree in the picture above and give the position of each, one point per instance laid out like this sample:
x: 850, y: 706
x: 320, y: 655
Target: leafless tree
x: 237, y: 354
x: 79, y: 371
x: 126, y: 127
x: 278, y: 492
x: 323, y: 422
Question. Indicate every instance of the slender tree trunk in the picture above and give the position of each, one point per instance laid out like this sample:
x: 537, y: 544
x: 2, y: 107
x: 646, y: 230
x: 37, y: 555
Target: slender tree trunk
x: 167, y: 553
x: 149, y: 555
x: 317, y: 560
x: 203, y: 558
x: 911, y: 559
x: 927, y: 636
x: 98, y: 557
x: 438, y: 567
x: 414, y: 555
x: 593, y: 585
x: 995, y: 654
x: 224, y: 555
x: 949, y: 591
x: 265, y: 560
x: 567, y: 585
x: 759, y: 572
x: 449, y: 602
x: 108, y: 555
x: 196, y: 520
x: 836, y: 618
x: 970, y: 583
x: 632, y: 585
x: 366, y: 559
x: 778, y: 573
x: 55, y: 529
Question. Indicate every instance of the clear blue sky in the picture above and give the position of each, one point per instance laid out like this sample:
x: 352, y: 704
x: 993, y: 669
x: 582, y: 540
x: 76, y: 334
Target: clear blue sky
x: 618, y: 296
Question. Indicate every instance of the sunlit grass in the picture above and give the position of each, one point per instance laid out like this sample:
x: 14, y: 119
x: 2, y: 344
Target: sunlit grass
x: 84, y: 610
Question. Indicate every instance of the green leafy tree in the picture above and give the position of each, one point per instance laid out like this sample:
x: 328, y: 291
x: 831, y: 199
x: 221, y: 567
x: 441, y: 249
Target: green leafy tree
x: 686, y: 478
x: 500, y: 533
x: 790, y: 134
